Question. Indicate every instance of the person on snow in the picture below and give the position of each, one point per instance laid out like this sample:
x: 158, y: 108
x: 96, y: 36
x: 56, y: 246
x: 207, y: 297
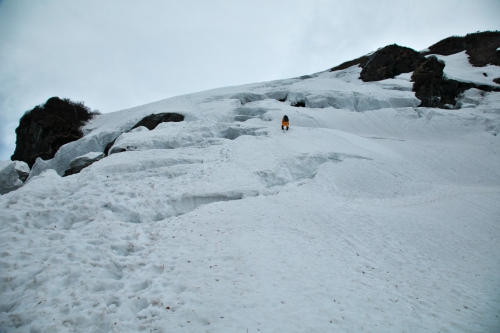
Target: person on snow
x: 284, y: 123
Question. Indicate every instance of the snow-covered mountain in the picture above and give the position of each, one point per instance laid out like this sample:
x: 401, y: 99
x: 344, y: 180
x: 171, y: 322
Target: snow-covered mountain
x: 369, y: 214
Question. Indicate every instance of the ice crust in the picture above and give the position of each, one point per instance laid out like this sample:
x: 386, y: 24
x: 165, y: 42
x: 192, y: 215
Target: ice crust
x: 369, y: 214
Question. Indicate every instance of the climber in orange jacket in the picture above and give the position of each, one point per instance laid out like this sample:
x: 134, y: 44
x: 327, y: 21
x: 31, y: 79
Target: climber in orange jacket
x: 284, y: 123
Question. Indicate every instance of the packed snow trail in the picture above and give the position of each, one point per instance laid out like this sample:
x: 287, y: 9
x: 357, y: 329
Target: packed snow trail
x: 379, y: 221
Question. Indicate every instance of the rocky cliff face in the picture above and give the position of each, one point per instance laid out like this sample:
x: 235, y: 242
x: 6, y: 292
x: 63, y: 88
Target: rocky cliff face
x: 430, y: 85
x: 44, y: 129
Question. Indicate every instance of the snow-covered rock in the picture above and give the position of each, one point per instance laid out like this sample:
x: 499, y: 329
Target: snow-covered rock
x: 9, y: 176
x: 23, y: 170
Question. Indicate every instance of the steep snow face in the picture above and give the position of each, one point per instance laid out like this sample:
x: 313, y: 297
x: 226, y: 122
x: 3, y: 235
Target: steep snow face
x: 368, y: 214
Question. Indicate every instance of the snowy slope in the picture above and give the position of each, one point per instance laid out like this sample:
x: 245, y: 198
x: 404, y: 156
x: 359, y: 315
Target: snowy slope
x: 458, y: 68
x: 368, y: 215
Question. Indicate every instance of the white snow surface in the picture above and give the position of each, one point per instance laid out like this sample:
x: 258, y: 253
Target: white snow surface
x: 369, y: 214
x: 457, y: 67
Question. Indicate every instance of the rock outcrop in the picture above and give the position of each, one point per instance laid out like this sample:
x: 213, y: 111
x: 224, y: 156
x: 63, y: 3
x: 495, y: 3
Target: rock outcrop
x: 44, y: 129
x: 430, y: 85
x: 389, y: 62
x: 385, y: 63
x: 151, y: 121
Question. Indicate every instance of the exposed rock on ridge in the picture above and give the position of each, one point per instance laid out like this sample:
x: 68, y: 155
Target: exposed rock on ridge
x: 44, y: 129
x: 480, y: 47
x: 430, y: 86
x: 385, y: 63
x: 389, y: 62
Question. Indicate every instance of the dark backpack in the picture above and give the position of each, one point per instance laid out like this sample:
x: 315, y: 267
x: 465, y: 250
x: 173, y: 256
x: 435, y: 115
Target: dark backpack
x: 285, y: 118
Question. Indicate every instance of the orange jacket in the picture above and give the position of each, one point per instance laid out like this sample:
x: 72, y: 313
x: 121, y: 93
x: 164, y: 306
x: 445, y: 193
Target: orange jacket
x: 284, y: 123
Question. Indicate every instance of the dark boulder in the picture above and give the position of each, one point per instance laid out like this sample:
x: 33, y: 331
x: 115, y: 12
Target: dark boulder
x: 390, y: 61
x: 153, y: 120
x: 45, y: 128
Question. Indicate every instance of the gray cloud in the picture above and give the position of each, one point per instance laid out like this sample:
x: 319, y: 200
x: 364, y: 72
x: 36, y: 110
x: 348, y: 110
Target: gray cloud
x: 117, y: 54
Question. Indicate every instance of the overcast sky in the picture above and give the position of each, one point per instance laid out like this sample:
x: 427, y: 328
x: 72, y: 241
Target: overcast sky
x: 116, y: 54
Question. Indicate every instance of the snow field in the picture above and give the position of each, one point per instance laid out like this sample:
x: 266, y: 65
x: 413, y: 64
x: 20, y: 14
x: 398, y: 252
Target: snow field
x: 379, y: 221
